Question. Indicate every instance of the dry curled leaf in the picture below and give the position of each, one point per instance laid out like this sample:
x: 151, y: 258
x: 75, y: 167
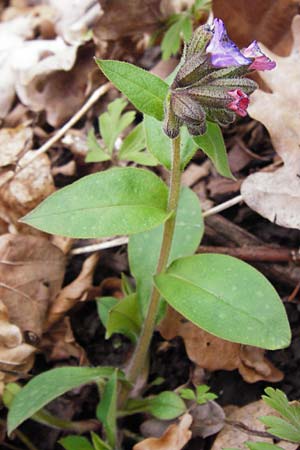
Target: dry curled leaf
x: 59, y: 343
x: 74, y: 292
x: 32, y: 271
x: 15, y: 355
x: 276, y: 196
x: 213, y: 353
x: 234, y: 437
x: 174, y: 438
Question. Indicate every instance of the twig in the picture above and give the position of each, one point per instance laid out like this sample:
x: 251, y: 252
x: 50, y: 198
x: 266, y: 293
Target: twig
x: 60, y: 133
x: 256, y: 253
x: 247, y: 430
x: 216, y: 209
x: 100, y: 246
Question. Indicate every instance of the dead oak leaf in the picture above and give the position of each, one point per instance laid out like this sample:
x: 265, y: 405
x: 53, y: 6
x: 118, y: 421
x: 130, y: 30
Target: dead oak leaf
x: 213, y: 353
x: 276, y: 196
x: 174, y: 438
x: 74, y: 292
x: 32, y: 271
x: 233, y: 437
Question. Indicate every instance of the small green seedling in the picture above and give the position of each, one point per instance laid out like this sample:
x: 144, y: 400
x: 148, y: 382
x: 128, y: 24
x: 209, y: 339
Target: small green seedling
x: 112, y: 124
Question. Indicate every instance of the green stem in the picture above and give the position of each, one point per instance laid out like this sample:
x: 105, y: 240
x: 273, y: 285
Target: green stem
x: 141, y: 351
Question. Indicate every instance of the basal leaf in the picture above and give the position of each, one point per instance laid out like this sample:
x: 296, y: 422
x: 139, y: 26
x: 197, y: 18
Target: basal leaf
x: 144, y: 90
x: 107, y: 409
x: 228, y: 298
x: 117, y: 201
x: 188, y: 233
x: 44, y: 388
x: 212, y: 144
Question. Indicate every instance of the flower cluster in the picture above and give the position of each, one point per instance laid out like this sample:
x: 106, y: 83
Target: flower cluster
x: 209, y: 84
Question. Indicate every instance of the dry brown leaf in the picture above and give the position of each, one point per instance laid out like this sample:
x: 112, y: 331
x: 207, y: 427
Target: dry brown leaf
x: 59, y: 343
x: 267, y: 21
x: 231, y: 437
x: 174, y: 438
x: 32, y: 271
x: 74, y: 292
x: 213, y: 353
x: 13, y: 142
x: 276, y: 196
x: 26, y: 190
x: 15, y: 355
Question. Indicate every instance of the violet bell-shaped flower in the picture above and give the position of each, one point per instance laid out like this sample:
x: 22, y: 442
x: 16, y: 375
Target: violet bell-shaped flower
x: 209, y: 84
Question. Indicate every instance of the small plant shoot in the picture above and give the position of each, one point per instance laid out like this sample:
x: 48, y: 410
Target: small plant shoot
x: 218, y: 293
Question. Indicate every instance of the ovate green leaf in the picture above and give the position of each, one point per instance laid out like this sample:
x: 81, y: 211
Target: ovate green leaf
x: 227, y: 298
x: 133, y: 148
x: 43, y: 388
x: 117, y: 201
x: 166, y: 406
x: 212, y: 144
x: 144, y: 90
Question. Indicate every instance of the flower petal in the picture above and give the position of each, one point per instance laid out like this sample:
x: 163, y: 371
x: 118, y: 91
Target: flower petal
x: 240, y: 103
x: 223, y: 51
x: 259, y: 60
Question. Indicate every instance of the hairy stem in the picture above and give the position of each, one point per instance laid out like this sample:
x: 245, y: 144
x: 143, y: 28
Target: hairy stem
x: 139, y: 357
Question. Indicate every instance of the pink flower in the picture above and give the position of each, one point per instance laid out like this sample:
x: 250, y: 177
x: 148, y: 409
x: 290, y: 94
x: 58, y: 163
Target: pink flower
x: 240, y: 103
x: 260, y: 60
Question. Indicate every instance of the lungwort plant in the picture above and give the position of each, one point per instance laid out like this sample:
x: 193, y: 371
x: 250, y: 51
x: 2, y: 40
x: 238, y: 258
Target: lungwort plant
x: 218, y: 293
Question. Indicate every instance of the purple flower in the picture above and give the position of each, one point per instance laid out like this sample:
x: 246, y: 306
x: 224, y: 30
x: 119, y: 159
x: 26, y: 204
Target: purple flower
x: 240, y: 103
x: 223, y: 51
x: 259, y: 60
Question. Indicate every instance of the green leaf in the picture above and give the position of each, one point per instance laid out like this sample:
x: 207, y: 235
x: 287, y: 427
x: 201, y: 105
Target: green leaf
x: 228, y: 298
x: 75, y: 443
x: 112, y: 123
x: 171, y: 42
x: 95, y: 152
x: 133, y: 148
x: 159, y: 144
x: 187, y: 29
x: 166, y: 406
x: 281, y: 428
x: 125, y: 318
x: 107, y: 409
x: 203, y: 394
x: 188, y: 233
x: 44, y: 388
x: 145, y: 91
x: 117, y: 201
x: 212, y: 144
x: 277, y: 400
x: 262, y: 446
x: 104, y: 305
x: 98, y: 443
x: 187, y: 394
